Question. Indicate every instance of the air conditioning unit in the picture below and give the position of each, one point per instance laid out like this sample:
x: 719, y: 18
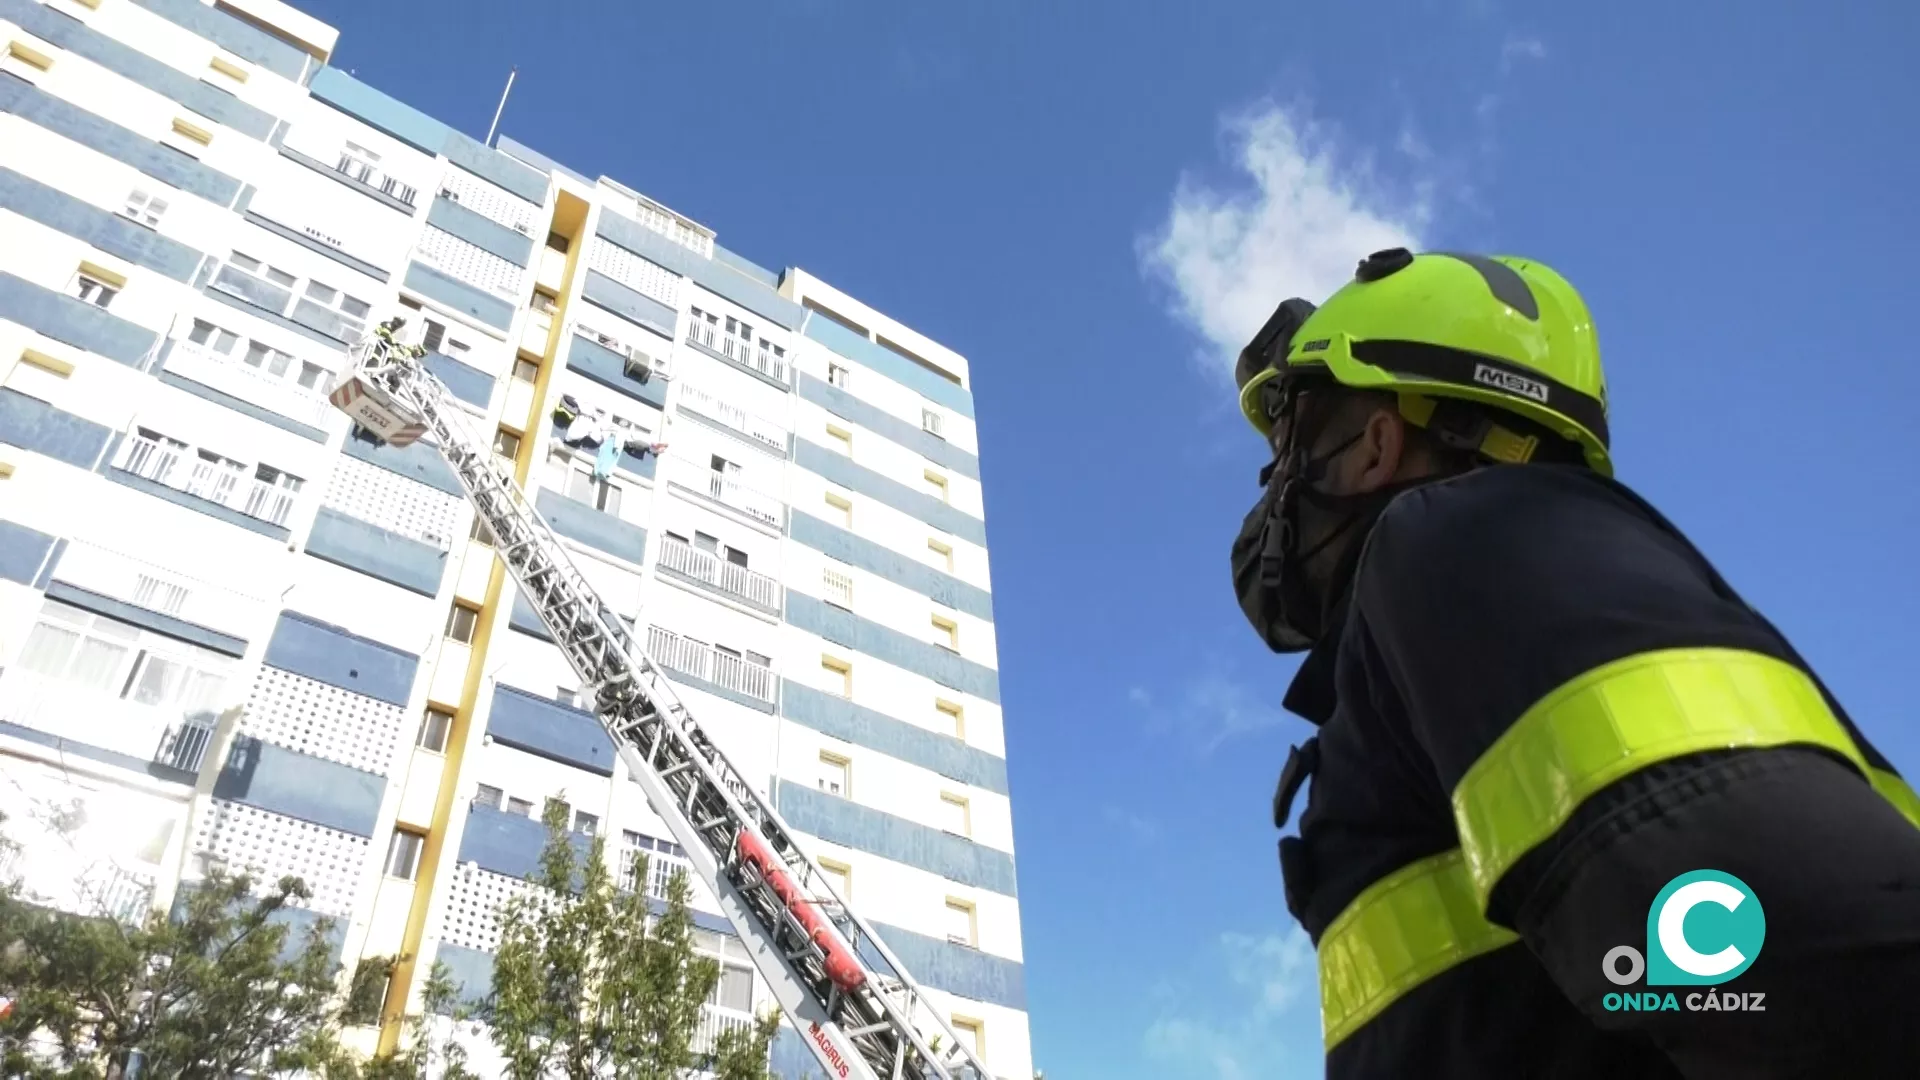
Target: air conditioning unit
x: 638, y: 366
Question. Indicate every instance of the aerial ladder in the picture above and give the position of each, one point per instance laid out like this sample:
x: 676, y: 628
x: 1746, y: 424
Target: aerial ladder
x: 849, y: 997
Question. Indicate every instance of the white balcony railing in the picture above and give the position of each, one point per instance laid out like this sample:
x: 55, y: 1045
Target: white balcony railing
x: 230, y: 376
x: 210, y: 480
x: 370, y: 175
x: 703, y: 661
x: 737, y: 349
x: 761, y: 430
x: 713, y: 1021
x: 159, y: 588
x: 726, y: 489
x: 837, y: 588
x: 103, y: 719
x: 719, y: 574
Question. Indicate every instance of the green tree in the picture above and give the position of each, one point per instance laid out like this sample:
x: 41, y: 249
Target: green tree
x: 429, y: 1048
x: 210, y: 992
x: 587, y: 982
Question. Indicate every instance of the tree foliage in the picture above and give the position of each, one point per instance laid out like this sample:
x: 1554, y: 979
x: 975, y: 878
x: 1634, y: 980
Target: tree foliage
x: 212, y: 991
x: 588, y: 983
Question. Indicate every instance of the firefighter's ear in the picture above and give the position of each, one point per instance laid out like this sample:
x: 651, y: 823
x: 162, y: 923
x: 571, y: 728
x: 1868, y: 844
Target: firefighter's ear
x: 1379, y: 453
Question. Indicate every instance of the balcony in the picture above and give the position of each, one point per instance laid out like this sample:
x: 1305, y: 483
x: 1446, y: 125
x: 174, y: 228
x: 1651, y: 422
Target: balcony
x: 703, y: 661
x: 739, y: 350
x: 761, y: 431
x: 705, y: 568
x: 358, y: 169
x: 713, y: 1021
x: 232, y: 488
x: 725, y: 489
x: 250, y: 384
x: 98, y: 718
x: 161, y: 589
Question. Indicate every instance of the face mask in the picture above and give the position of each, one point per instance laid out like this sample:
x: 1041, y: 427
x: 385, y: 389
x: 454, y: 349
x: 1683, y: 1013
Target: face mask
x: 1269, y: 570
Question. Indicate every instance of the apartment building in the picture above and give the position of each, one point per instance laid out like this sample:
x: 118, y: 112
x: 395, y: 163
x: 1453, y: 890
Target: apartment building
x: 234, y: 631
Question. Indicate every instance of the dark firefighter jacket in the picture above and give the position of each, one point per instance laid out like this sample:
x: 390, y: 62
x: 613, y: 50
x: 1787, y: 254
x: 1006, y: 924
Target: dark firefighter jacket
x: 1541, y: 704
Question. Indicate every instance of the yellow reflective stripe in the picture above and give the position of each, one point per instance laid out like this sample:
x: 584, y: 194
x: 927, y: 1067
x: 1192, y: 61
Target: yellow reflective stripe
x: 1897, y: 792
x: 1401, y: 931
x: 1620, y: 718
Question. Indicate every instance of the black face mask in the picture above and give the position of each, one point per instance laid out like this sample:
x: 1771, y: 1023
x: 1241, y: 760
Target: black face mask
x: 1270, y: 576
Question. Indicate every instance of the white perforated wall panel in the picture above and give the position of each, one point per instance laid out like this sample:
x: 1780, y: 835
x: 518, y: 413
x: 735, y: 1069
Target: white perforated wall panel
x: 470, y: 263
x: 490, y: 200
x: 474, y: 899
x: 641, y: 275
x: 301, y: 714
x: 271, y: 846
x: 396, y: 503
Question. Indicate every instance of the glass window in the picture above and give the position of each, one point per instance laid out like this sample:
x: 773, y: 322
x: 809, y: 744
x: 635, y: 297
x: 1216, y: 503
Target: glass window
x: 311, y: 375
x: 585, y: 824
x: 434, y: 726
x: 488, y: 796
x: 403, y: 854
x: 835, y: 774
x: 326, y: 294
x: 461, y: 622
x: 735, y: 990
x: 959, y: 922
x: 525, y: 370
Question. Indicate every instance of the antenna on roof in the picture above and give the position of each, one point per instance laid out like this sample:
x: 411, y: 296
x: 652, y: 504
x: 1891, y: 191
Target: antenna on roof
x: 495, y: 126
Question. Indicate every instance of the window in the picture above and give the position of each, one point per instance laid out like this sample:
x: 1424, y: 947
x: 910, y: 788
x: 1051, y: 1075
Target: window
x: 434, y: 726
x: 735, y: 989
x: 403, y: 854
x: 143, y: 207
x: 585, y: 824
x: 253, y: 267
x: 836, y: 587
x: 956, y: 816
x: 118, y: 660
x: 186, y: 129
x: 941, y: 553
x: 839, y: 878
x: 506, y: 444
x: 836, y: 375
x: 93, y: 290
x: 567, y: 695
x: 960, y: 922
x: 842, y: 439
x: 270, y: 360
x: 839, y: 675
x: 461, y: 622
x: 525, y: 370
x: 228, y: 68
x: 311, y: 376
x: 353, y: 309
x: 936, y: 484
x: 953, y: 719
x: 545, y: 302
x: 213, y: 337
x: 521, y: 807
x: 971, y: 1034
x: 488, y: 796
x: 603, y: 495
x: 23, y: 60
x: 836, y: 775
x: 946, y: 633
x: 930, y: 422
x: 843, y: 509
x: 557, y: 242
x: 480, y: 533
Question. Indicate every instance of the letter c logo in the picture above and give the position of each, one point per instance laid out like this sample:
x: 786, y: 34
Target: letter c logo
x: 1704, y: 928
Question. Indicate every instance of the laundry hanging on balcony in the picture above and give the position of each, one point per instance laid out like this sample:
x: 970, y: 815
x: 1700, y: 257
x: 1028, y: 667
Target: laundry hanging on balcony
x: 604, y: 461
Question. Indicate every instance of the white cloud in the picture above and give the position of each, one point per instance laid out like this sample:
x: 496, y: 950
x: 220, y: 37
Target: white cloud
x: 1305, y: 212
x: 1520, y: 47
x: 1260, y: 1026
x: 1213, y: 709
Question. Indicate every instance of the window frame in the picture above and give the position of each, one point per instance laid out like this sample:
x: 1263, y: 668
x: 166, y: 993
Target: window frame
x: 843, y: 669
x: 453, y: 618
x: 951, y: 801
x: 957, y: 906
x: 428, y: 716
x: 829, y: 760
x: 401, y: 838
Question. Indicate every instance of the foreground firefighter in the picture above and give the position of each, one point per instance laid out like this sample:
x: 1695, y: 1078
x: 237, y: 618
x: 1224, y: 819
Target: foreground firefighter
x: 1565, y: 782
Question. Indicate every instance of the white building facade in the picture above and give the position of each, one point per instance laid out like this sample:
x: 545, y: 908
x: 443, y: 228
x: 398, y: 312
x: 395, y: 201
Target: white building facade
x: 233, y: 630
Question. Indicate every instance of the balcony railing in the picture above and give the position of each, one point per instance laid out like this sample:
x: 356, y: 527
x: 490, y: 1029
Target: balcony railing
x: 158, y: 588
x: 103, y: 719
x: 370, y: 175
x: 737, y: 349
x: 231, y: 376
x: 703, y: 661
x: 215, y: 482
x: 719, y: 574
x: 763, y: 431
x: 838, y: 588
x: 713, y: 1021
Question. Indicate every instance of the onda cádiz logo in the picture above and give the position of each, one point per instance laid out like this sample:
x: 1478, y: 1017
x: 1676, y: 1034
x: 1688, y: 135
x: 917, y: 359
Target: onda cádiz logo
x: 1704, y: 928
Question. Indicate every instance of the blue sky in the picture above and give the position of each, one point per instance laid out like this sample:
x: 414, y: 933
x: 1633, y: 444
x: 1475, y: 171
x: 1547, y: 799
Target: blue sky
x: 1098, y: 208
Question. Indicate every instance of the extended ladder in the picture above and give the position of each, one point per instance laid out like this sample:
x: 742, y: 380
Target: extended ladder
x: 850, y: 998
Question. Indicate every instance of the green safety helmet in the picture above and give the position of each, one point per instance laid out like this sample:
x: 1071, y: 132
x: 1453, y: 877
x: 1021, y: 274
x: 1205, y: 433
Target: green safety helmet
x: 1504, y: 333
